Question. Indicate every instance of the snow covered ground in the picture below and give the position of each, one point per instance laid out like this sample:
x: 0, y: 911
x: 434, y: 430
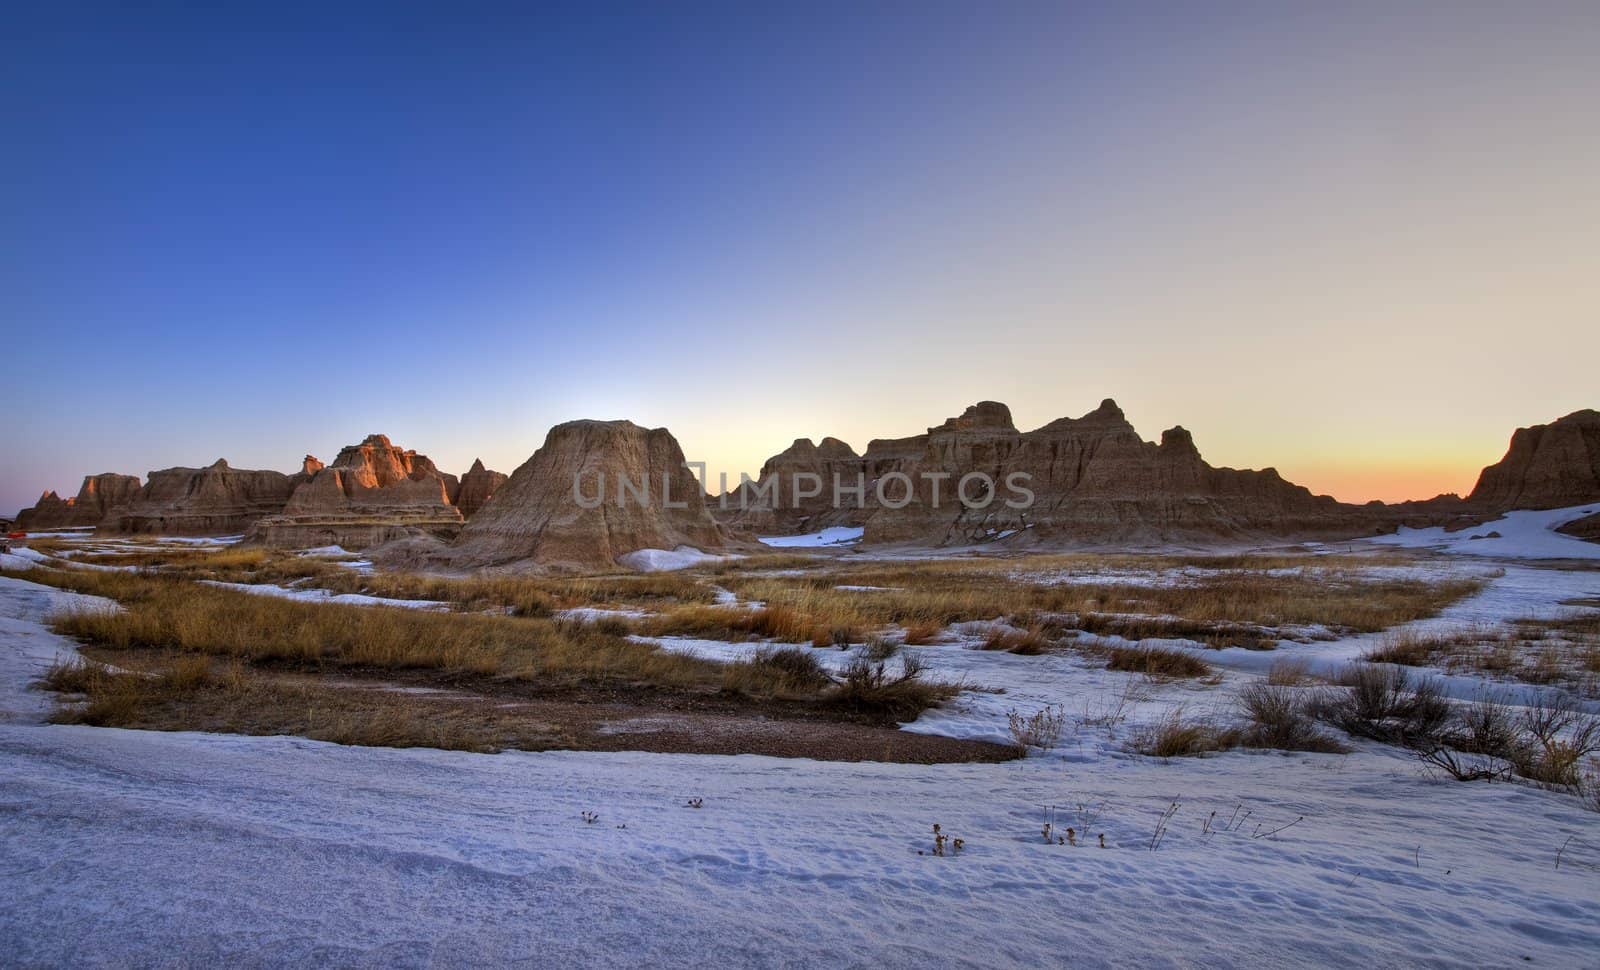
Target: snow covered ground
x: 1521, y: 535
x: 664, y: 560
x: 125, y: 847
x: 311, y: 594
x: 835, y: 536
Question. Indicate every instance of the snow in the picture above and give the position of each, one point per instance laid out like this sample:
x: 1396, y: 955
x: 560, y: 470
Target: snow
x: 325, y: 551
x: 1524, y: 534
x: 28, y: 649
x: 135, y: 848
x: 835, y: 536
x: 314, y: 595
x: 663, y: 560
x: 594, y: 614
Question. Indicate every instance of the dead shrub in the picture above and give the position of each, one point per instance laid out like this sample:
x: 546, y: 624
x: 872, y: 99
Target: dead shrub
x: 1463, y: 767
x: 923, y: 633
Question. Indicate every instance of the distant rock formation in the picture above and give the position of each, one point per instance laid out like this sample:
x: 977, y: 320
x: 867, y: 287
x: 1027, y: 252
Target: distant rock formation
x: 595, y: 491
x: 373, y: 492
x: 1548, y: 466
x: 215, y: 500
x: 1092, y: 479
x: 476, y: 488
x: 100, y: 496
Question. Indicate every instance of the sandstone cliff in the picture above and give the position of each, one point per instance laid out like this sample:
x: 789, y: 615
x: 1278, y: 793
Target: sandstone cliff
x: 99, y: 497
x: 215, y: 500
x: 372, y: 492
x: 477, y: 486
x: 1548, y: 466
x: 642, y: 496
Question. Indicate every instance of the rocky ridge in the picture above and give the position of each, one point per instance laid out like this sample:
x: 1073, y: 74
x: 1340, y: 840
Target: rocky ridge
x: 1092, y: 479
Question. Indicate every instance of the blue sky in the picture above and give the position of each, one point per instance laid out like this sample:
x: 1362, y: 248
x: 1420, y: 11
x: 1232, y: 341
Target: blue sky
x: 1352, y: 241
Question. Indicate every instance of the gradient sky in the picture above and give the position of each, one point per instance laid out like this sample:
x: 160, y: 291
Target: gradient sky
x: 1359, y: 242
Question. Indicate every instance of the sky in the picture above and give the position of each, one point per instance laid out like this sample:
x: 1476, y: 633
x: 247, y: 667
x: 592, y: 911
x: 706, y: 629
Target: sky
x: 1358, y: 242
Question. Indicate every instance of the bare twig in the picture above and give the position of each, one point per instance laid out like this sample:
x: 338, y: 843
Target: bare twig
x: 1262, y: 835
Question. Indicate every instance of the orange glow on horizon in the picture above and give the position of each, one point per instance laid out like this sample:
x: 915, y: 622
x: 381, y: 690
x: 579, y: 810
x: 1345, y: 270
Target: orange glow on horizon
x: 1358, y: 484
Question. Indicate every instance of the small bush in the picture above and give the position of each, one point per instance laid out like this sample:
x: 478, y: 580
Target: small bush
x: 1157, y: 662
x: 872, y: 688
x: 1561, y: 736
x: 880, y: 648
x: 923, y: 633
x: 1280, y: 718
x: 1376, y: 704
x: 1487, y: 726
x: 777, y: 670
x: 1174, y: 737
x: 1041, y: 729
x: 1404, y: 648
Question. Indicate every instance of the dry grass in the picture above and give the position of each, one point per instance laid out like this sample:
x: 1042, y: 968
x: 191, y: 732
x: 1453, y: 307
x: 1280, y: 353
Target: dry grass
x: 1404, y: 648
x: 1287, y: 672
x: 780, y: 671
x: 1029, y: 642
x: 1174, y: 736
x: 166, y: 614
x: 517, y: 595
x: 1156, y: 662
x: 1564, y: 651
x: 1226, y: 608
x: 191, y: 692
x: 170, y: 618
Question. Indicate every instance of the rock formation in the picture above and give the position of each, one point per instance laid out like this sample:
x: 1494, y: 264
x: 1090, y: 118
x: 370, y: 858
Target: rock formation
x: 595, y: 491
x: 50, y: 512
x: 215, y: 500
x: 1092, y: 479
x: 99, y: 497
x: 772, y: 505
x: 476, y: 487
x: 1548, y: 466
x: 372, y: 492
